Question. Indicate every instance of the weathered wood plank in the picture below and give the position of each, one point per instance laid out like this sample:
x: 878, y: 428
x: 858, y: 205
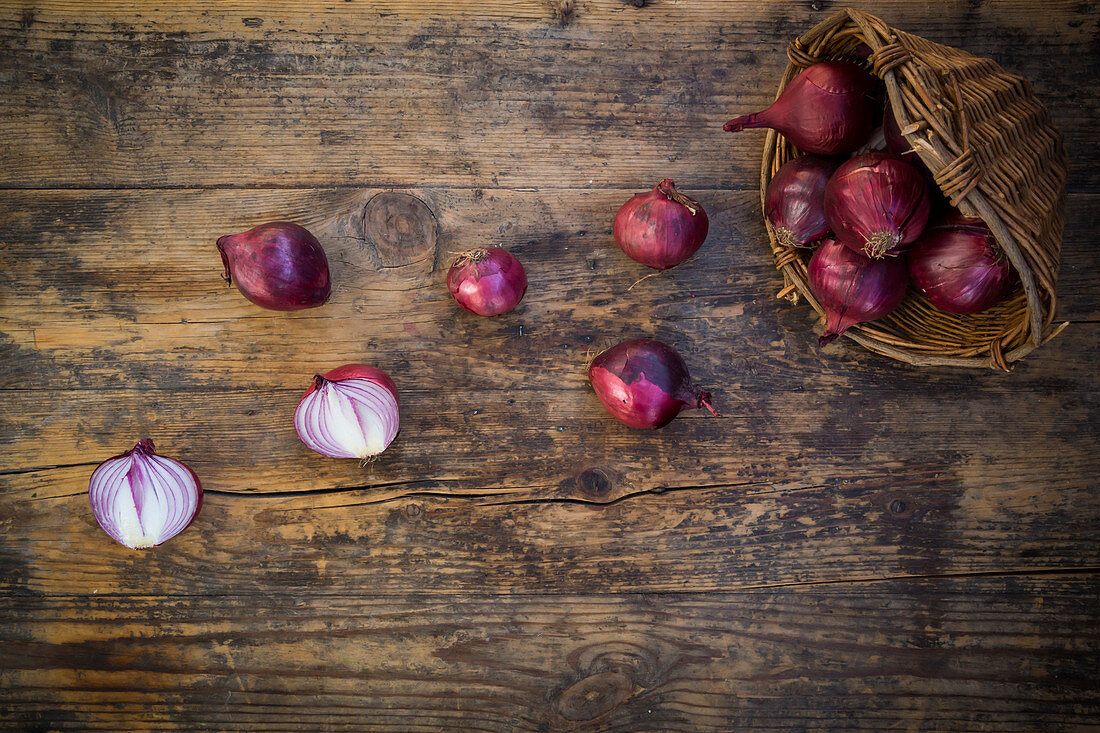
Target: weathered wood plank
x: 108, y: 94
x: 124, y: 287
x: 1005, y: 654
x: 980, y: 514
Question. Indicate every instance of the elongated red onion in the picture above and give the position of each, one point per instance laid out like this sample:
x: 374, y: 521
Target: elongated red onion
x: 794, y: 201
x: 644, y: 384
x: 349, y: 412
x: 141, y: 499
x: 876, y: 204
x: 959, y: 266
x: 280, y: 266
x: 826, y: 109
x: 852, y: 288
x: 487, y: 281
x: 660, y: 228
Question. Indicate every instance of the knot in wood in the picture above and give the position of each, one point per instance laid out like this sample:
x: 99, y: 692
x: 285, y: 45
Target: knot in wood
x: 413, y: 511
x: 594, y: 695
x: 594, y: 483
x: 402, y: 229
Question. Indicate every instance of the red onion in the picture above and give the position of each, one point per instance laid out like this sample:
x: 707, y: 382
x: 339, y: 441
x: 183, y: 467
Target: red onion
x: 142, y: 499
x: 895, y: 141
x: 487, y: 281
x: 877, y: 204
x: 853, y: 288
x: 794, y: 201
x: 826, y: 109
x: 959, y: 266
x: 660, y: 228
x: 280, y: 266
x: 349, y: 412
x: 644, y: 384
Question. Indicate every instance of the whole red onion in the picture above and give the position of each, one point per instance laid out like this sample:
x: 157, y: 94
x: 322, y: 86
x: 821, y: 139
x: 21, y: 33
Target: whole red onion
x: 959, y: 266
x: 877, y: 204
x: 487, y: 281
x: 660, y: 228
x: 852, y: 288
x: 142, y: 499
x: 644, y: 384
x: 826, y: 109
x: 279, y: 265
x: 349, y: 412
x: 794, y: 201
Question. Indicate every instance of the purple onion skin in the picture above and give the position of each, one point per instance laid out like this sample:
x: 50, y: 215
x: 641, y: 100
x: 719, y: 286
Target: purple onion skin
x: 645, y: 384
x: 794, y: 201
x: 827, y: 109
x: 852, y: 288
x: 488, y: 281
x: 877, y: 204
x: 660, y: 228
x: 279, y: 266
x: 354, y: 371
x: 895, y: 141
x: 960, y: 268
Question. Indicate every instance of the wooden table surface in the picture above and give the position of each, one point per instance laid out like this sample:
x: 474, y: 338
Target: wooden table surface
x: 854, y: 544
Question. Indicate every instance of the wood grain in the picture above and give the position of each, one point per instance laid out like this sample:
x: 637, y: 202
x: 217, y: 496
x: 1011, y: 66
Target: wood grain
x: 590, y: 535
x: 108, y: 94
x: 1005, y: 654
x: 855, y: 544
x: 124, y: 288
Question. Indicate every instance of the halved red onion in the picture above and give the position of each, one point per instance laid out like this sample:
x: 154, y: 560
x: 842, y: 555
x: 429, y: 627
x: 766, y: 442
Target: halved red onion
x: 349, y: 412
x: 141, y: 499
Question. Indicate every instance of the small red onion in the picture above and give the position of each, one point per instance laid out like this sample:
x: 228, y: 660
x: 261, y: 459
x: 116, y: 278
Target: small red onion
x: 877, y: 204
x: 959, y: 266
x: 826, y: 109
x: 349, y: 412
x: 280, y: 266
x: 794, y: 201
x: 141, y: 499
x: 895, y: 141
x: 644, y: 384
x: 487, y: 281
x: 852, y: 288
x: 660, y: 228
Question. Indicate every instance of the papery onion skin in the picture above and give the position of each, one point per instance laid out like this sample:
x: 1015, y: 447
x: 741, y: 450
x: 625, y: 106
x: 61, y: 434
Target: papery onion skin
x: 958, y: 265
x: 660, y: 228
x: 827, y: 109
x: 349, y: 412
x: 280, y: 266
x: 895, y: 141
x: 488, y: 281
x: 142, y: 499
x: 794, y: 201
x: 644, y: 383
x: 852, y: 288
x: 877, y: 204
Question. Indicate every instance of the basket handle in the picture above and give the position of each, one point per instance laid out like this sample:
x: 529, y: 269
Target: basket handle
x: 959, y: 177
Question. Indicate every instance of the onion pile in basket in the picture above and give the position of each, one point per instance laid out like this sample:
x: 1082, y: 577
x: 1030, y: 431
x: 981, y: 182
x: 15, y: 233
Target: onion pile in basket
x: 870, y: 215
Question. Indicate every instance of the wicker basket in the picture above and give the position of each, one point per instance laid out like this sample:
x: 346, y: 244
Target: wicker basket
x: 994, y: 153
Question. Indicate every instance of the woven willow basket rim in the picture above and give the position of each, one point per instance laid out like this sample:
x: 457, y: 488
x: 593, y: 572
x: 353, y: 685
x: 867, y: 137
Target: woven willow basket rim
x: 1032, y: 243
